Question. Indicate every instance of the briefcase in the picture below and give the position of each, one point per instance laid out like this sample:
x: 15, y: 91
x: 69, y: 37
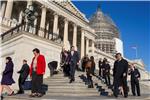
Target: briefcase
x: 27, y: 85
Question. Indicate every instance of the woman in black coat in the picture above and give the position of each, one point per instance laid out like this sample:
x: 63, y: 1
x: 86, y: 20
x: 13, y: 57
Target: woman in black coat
x: 7, y: 79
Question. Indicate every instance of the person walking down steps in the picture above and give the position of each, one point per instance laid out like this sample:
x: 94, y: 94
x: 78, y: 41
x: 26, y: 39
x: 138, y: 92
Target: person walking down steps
x: 90, y: 67
x: 24, y: 72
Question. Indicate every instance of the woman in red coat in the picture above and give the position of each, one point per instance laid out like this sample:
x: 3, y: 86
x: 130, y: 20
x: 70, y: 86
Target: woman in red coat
x: 37, y: 70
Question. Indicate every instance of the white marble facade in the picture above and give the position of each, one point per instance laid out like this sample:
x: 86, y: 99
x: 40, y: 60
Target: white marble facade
x: 20, y: 46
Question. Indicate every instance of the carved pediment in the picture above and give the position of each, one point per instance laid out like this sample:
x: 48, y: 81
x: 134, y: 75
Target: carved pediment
x: 71, y: 7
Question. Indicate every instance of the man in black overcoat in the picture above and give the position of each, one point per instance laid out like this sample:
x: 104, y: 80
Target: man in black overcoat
x: 120, y: 75
x: 24, y: 72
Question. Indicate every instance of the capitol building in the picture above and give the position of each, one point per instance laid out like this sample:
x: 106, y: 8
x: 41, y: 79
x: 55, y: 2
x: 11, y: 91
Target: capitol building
x: 51, y: 25
x: 108, y: 36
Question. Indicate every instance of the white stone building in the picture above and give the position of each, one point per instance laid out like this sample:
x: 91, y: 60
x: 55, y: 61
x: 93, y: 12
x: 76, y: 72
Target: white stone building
x: 57, y: 25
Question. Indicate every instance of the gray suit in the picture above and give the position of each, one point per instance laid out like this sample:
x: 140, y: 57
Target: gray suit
x: 73, y: 60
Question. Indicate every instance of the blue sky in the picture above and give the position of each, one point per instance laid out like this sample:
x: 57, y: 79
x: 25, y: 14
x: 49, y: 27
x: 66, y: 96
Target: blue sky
x: 133, y: 21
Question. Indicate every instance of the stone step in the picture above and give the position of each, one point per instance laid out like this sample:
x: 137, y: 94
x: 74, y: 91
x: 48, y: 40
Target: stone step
x: 74, y: 94
x: 60, y: 77
x: 70, y: 91
x: 49, y: 95
x: 66, y: 87
x: 63, y: 83
x: 68, y: 84
x: 63, y: 80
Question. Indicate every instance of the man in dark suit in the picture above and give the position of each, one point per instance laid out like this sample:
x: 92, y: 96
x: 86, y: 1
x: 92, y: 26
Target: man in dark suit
x: 73, y: 61
x: 120, y: 75
x: 24, y: 72
x: 135, y: 77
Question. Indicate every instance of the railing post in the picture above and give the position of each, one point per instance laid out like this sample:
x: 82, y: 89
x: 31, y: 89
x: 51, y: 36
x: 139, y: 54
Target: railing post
x: 17, y: 28
x: 11, y: 33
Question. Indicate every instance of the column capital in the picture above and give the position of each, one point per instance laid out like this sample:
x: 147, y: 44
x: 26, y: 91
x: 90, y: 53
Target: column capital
x: 75, y: 25
x: 82, y: 29
x: 43, y: 7
x: 87, y: 38
x: 55, y: 13
x: 93, y: 41
x: 66, y: 20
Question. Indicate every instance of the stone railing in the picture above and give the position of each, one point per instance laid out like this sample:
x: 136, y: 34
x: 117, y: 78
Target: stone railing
x: 100, y: 54
x: 12, y: 31
x: 8, y: 22
x: 15, y: 27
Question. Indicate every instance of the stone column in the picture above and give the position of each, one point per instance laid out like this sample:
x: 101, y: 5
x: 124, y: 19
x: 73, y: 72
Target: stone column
x: 55, y: 23
x: 43, y: 20
x: 20, y: 16
x: 35, y: 26
x: 65, y: 33
x: 2, y: 9
x: 47, y: 30
x: 29, y: 3
x: 82, y: 43
x: 93, y: 48
x: 74, y: 35
x: 87, y: 45
x: 9, y: 8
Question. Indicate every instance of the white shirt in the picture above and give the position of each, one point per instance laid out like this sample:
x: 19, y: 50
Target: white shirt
x: 72, y: 52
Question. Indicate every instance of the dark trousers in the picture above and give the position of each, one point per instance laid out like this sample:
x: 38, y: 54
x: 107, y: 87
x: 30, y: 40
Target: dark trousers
x: 135, y: 86
x: 90, y: 81
x: 37, y: 81
x: 64, y: 69
x: 100, y: 74
x: 72, y: 70
x: 120, y: 82
x: 20, y: 83
x: 107, y: 79
x: 125, y: 86
x: 116, y: 87
x: 83, y: 66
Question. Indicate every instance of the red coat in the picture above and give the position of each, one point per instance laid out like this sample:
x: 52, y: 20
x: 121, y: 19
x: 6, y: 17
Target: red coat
x: 41, y: 65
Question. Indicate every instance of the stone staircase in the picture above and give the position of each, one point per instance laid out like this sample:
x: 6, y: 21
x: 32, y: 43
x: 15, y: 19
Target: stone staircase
x: 59, y: 88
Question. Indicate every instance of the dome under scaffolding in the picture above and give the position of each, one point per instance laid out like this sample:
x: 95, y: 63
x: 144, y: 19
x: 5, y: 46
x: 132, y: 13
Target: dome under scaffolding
x: 106, y: 31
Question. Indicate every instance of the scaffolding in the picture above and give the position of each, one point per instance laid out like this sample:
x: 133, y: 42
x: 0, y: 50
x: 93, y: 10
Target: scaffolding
x: 106, y: 31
